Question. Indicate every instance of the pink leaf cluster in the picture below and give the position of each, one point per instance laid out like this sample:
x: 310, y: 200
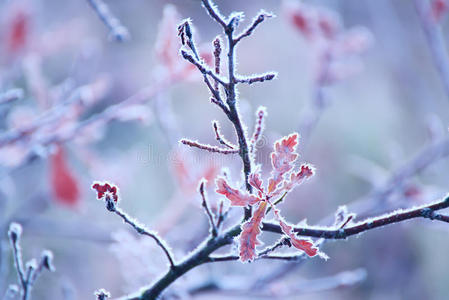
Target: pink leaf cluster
x: 282, y: 180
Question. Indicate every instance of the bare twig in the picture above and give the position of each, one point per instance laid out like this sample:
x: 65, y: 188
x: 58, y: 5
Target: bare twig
x: 213, y: 227
x: 220, y: 138
x: 256, y: 78
x: 262, y: 16
x: 112, y: 207
x: 208, y: 147
x: 26, y: 276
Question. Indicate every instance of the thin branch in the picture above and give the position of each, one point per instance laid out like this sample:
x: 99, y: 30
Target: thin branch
x: 221, y: 215
x: 220, y: 138
x: 262, y: 16
x: 112, y: 207
x: 26, y: 276
x: 209, y: 148
x: 117, y: 30
x: 435, y: 41
x: 14, y: 233
x: 202, y: 68
x: 213, y: 227
x: 258, y: 128
x: 46, y: 262
x: 424, y: 211
x: 215, y: 13
x: 217, y: 59
x: 256, y: 78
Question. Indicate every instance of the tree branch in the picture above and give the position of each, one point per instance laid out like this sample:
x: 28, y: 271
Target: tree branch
x: 425, y: 211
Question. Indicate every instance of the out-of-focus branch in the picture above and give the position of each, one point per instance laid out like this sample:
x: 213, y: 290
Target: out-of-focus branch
x: 11, y: 96
x: 339, y: 280
x: 435, y: 41
x: 117, y: 30
x: 213, y: 227
x: 28, y: 275
x: 208, y: 147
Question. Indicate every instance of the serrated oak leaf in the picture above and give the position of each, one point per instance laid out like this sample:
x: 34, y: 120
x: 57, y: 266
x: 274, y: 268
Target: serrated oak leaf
x: 237, y: 198
x: 305, y: 245
x: 250, y: 230
x: 282, y: 160
x: 305, y: 172
x: 255, y: 181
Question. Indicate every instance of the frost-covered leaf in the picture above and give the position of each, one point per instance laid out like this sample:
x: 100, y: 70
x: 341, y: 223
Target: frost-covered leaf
x: 282, y: 159
x: 305, y: 245
x: 306, y: 171
x: 255, y: 181
x: 237, y: 198
x: 250, y: 231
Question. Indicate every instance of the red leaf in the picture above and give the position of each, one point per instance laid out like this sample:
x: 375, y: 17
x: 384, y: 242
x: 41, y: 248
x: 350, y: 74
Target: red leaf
x: 63, y: 183
x: 282, y: 159
x: 236, y: 197
x: 250, y: 231
x: 301, y: 244
x: 439, y: 9
x: 17, y: 31
x: 106, y: 190
x: 255, y: 181
x: 304, y: 173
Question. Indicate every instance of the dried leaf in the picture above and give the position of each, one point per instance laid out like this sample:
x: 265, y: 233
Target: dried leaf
x: 282, y: 160
x: 250, y: 231
x: 305, y: 245
x: 237, y: 198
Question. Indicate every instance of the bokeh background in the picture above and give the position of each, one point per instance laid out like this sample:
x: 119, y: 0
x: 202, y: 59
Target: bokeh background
x: 385, y: 104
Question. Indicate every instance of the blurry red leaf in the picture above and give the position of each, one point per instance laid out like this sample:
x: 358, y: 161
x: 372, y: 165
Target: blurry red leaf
x: 439, y: 9
x: 63, y: 183
x: 17, y: 33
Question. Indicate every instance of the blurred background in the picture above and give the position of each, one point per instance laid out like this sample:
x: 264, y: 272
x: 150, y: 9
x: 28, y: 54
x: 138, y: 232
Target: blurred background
x: 356, y: 79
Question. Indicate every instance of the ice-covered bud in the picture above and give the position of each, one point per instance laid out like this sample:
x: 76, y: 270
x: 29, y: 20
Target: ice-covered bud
x: 102, y: 294
x: 14, y: 232
x: 47, y: 260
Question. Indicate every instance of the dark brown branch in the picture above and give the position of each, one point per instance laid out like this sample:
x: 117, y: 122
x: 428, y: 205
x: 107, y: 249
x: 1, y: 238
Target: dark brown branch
x: 203, y: 68
x: 213, y: 227
x: 256, y: 78
x: 262, y: 16
x: 208, y: 147
x: 425, y: 211
x: 220, y: 138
